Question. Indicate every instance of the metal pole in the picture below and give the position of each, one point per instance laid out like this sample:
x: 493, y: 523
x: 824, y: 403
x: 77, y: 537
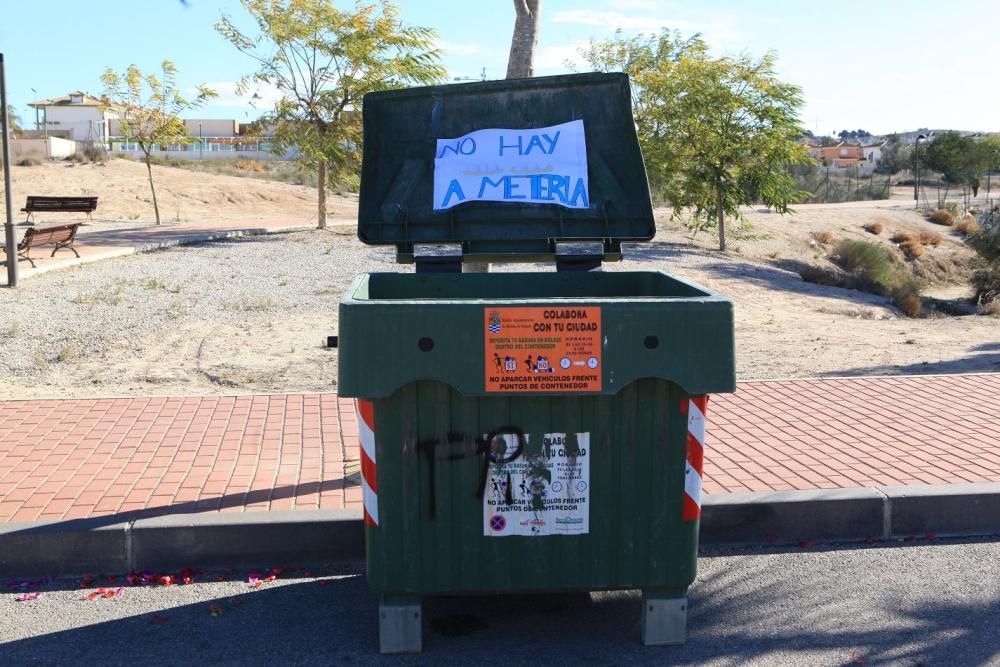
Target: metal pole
x: 201, y: 144
x: 8, y: 227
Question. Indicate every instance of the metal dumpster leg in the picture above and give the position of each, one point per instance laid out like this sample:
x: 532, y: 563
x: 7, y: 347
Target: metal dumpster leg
x: 399, y: 624
x: 664, y: 619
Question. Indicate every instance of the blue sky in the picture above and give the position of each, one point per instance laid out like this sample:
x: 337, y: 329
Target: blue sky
x: 880, y: 65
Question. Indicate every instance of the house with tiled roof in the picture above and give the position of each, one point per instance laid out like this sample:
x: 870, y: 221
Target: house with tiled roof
x: 77, y: 115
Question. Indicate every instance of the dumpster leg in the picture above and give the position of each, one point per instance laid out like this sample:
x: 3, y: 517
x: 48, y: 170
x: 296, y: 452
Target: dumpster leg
x: 664, y: 619
x: 399, y: 624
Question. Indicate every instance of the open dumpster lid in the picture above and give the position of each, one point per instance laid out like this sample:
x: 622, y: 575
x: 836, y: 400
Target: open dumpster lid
x: 506, y: 169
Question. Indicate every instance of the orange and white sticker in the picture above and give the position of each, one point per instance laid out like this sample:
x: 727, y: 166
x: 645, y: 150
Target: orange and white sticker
x: 549, y: 349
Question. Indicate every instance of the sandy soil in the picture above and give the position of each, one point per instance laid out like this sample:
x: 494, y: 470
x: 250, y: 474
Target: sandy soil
x: 264, y: 331
x: 122, y: 187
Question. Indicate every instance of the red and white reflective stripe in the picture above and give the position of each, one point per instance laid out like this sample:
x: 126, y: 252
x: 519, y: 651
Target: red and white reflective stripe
x: 695, y: 409
x: 369, y: 482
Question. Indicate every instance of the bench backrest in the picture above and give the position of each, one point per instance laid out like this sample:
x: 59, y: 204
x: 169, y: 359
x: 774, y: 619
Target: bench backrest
x: 42, y: 235
x: 75, y: 204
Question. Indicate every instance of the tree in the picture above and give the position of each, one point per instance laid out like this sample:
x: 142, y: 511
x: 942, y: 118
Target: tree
x: 149, y: 109
x: 957, y: 158
x: 13, y: 120
x: 521, y: 61
x: 323, y: 60
x: 895, y: 157
x: 716, y: 133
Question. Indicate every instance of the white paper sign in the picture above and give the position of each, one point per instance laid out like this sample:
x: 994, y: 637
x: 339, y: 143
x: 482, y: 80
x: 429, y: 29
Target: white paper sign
x: 546, y: 165
x: 544, y: 495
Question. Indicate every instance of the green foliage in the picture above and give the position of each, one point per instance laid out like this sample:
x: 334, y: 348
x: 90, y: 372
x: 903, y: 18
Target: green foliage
x: 13, y: 120
x: 986, y: 242
x: 875, y: 270
x: 716, y: 133
x: 323, y: 60
x: 895, y: 156
x: 866, y: 260
x: 149, y: 108
x: 956, y: 157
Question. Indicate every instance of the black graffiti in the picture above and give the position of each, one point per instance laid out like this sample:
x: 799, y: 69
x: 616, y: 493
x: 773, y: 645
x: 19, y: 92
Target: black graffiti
x: 486, y: 447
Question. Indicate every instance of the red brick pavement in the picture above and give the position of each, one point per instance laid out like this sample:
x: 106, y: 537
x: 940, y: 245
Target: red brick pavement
x: 66, y: 459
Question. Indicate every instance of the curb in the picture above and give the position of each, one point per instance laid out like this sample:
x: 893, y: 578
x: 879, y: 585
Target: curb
x: 111, y: 544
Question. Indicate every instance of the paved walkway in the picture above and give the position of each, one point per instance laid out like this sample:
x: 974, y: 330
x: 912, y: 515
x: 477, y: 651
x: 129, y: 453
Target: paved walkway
x: 67, y: 459
x: 108, y: 243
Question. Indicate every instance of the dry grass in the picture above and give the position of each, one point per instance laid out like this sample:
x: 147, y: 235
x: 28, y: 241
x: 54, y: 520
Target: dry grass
x: 908, y: 302
x: 991, y: 308
x: 904, y: 237
x: 251, y: 165
x: 875, y: 228
x: 968, y: 225
x: 826, y: 238
x: 930, y: 238
x: 942, y: 217
x: 912, y: 249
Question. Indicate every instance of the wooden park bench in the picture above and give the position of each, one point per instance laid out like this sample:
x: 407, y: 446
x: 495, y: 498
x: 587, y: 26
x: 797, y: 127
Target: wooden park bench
x: 60, y: 236
x: 59, y: 205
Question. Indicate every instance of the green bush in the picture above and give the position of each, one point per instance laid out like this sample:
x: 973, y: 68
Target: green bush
x: 29, y: 162
x: 875, y: 270
x: 986, y: 242
x: 867, y: 261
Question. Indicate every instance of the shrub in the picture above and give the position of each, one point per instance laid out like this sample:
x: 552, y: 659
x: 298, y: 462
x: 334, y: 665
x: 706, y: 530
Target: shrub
x: 28, y: 162
x: 912, y: 249
x: 867, y: 261
x: 909, y: 302
x: 826, y: 238
x: 942, y: 217
x: 967, y: 225
x: 904, y: 237
x: 930, y: 238
x: 986, y: 281
x: 875, y: 228
x: 874, y: 270
x: 820, y: 276
x: 250, y: 165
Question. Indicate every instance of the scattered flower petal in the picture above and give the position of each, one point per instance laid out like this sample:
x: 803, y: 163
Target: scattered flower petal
x: 159, y: 620
x: 25, y: 597
x: 805, y: 544
x: 165, y: 580
x: 215, y: 610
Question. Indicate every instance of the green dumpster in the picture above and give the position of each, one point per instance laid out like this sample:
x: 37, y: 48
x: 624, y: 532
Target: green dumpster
x: 524, y: 431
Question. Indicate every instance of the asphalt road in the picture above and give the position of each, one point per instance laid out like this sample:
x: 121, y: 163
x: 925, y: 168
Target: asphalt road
x: 927, y: 603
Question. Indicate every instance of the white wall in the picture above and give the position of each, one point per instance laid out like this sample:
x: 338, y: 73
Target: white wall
x: 212, y: 127
x: 77, y: 120
x: 56, y: 148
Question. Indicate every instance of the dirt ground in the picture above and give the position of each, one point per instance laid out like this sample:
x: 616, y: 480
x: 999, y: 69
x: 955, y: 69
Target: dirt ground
x: 122, y: 188
x: 250, y: 315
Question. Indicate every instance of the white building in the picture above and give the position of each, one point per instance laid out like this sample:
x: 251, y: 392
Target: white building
x: 873, y: 151
x: 76, y: 116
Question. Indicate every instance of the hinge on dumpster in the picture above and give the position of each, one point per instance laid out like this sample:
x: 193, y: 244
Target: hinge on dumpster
x: 580, y: 256
x: 438, y: 257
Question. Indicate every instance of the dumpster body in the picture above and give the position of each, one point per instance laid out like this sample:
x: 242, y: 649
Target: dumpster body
x: 531, y: 431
